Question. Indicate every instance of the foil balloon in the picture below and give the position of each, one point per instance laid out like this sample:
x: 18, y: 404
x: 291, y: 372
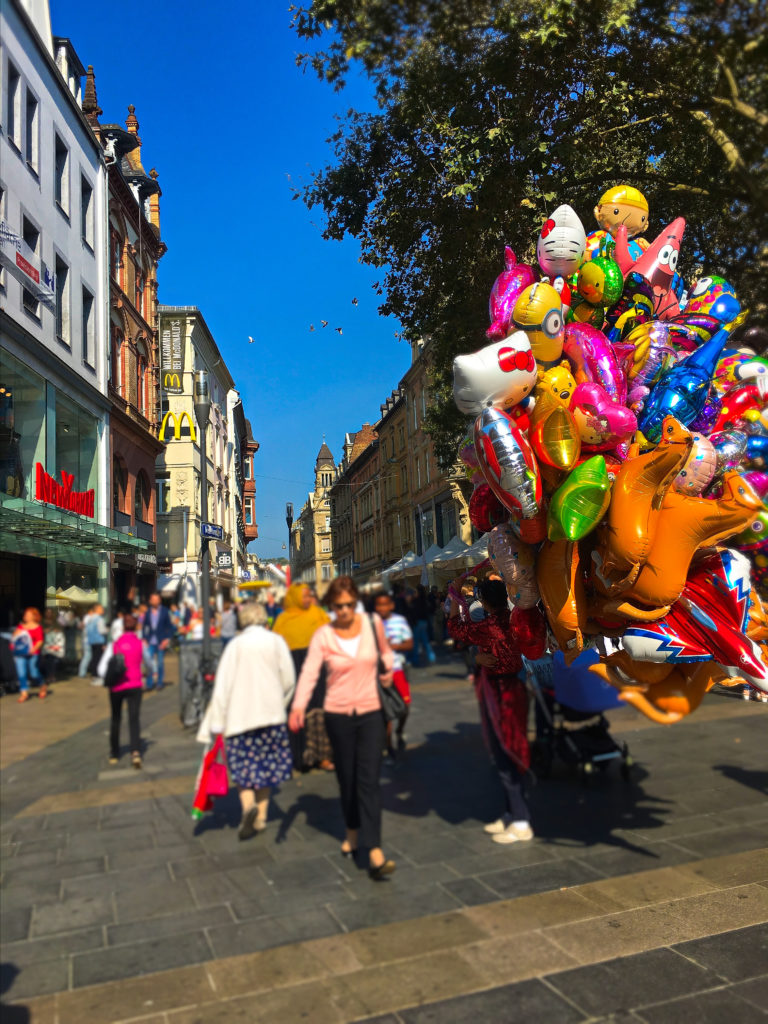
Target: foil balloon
x: 594, y: 360
x: 754, y: 537
x: 651, y: 353
x: 602, y: 422
x: 708, y: 416
x: 506, y: 289
x: 561, y: 244
x: 715, y: 297
x: 553, y: 434
x: 757, y: 447
x: 730, y: 448
x: 758, y: 481
x: 516, y: 564
x: 501, y: 374
x: 529, y: 628
x: 558, y: 382
x: 682, y: 391
x: 699, y: 469
x: 633, y: 514
x: 658, y: 263
x: 558, y: 571
x: 467, y: 453
x: 507, y: 462
x: 736, y: 403
x: 600, y: 284
x: 539, y: 312
x: 485, y: 509
x: 623, y: 205
x: 578, y: 505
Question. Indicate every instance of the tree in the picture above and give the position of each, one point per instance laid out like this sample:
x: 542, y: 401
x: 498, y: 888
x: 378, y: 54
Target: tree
x: 492, y: 113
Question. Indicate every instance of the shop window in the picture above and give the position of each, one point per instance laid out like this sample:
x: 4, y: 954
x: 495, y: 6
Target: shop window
x: 86, y: 212
x: 31, y: 237
x: 32, y: 133
x: 76, y: 444
x: 163, y: 492
x: 13, y: 111
x: 61, y: 174
x: 22, y: 426
x: 141, y: 498
x: 88, y: 347
x: 62, y: 301
x: 119, y: 484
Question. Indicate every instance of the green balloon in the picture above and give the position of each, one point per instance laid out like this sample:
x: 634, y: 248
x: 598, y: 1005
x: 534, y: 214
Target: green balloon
x: 580, y: 502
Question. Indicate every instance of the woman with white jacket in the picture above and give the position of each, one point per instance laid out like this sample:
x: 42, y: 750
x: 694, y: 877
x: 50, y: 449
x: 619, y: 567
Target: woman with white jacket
x: 254, y: 684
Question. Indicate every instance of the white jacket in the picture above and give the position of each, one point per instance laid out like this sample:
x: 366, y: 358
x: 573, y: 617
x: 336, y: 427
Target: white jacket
x: 254, y: 684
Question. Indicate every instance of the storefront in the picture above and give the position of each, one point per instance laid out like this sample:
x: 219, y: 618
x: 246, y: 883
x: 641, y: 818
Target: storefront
x: 51, y: 497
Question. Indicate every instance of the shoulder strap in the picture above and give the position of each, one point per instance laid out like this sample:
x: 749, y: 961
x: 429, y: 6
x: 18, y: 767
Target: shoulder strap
x: 372, y: 621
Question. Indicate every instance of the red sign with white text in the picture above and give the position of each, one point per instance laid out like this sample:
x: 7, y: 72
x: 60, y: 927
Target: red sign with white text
x: 62, y: 495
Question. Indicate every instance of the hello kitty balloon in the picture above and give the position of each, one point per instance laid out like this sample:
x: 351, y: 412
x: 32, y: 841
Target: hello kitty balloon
x: 561, y: 244
x: 500, y: 375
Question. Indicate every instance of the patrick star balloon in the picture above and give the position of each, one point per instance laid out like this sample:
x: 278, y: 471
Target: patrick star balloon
x: 657, y: 265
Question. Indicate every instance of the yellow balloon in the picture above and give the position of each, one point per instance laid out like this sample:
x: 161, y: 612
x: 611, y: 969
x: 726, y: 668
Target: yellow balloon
x: 539, y: 312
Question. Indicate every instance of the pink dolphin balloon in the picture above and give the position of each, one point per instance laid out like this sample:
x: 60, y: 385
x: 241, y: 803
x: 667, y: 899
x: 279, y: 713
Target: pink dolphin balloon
x: 504, y: 294
x: 594, y: 360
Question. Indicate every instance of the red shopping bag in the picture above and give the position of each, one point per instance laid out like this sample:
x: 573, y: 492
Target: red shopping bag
x: 211, y: 779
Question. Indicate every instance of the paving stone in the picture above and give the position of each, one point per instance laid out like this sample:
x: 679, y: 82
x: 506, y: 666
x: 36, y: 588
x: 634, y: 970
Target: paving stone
x: 647, y: 887
x: 387, y: 1018
x: 716, y: 844
x: 152, y: 900
x: 266, y: 932
x: 208, y: 890
x: 733, y: 869
x: 36, y: 857
x: 269, y: 969
x: 627, y: 861
x: 529, y: 913
x: 719, y: 1007
x: 79, y: 864
x: 505, y: 959
x: 469, y: 891
x: 36, y: 951
x: 129, y: 961
x: 26, y: 895
x: 413, y: 938
x: 128, y: 858
x: 194, y: 866
x: 303, y: 874
x: 69, y: 915
x: 116, y: 881
x: 631, y: 982
x: 393, y: 905
x: 754, y: 991
x: 311, y: 1002
x: 38, y: 979
x: 736, y: 955
x: 14, y: 924
x: 152, y: 927
x: 534, y: 878
x: 184, y: 986
x: 525, y: 1001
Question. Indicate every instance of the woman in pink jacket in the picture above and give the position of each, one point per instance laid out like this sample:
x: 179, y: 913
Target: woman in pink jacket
x: 131, y: 646
x: 353, y: 716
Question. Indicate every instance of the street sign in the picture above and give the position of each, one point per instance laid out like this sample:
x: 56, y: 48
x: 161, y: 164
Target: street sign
x: 224, y: 560
x: 355, y: 565
x: 245, y: 575
x: 211, y: 531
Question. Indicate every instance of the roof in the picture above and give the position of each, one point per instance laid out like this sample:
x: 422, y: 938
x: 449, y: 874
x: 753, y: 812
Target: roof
x: 324, y: 455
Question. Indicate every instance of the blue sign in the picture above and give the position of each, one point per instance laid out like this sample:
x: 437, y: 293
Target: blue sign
x: 211, y: 531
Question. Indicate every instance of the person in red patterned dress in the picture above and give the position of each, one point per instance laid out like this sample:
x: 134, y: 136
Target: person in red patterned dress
x: 503, y: 700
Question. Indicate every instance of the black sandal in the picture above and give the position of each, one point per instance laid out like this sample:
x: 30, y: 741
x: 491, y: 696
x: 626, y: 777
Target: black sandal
x: 380, y: 873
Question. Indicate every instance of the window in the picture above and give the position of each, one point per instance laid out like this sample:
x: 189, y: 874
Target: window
x: 32, y: 133
x: 2, y: 217
x: 116, y: 372
x: 418, y: 474
x: 86, y: 212
x: 119, y: 484
x: 141, y: 379
x: 325, y: 546
x: 325, y: 572
x: 141, y: 498
x: 87, y: 329
x: 13, y: 113
x: 61, y: 175
x: 249, y: 511
x: 140, y: 292
x: 415, y: 412
x: 426, y: 465
x: 62, y: 300
x: 403, y: 479
x: 401, y: 439
x: 327, y: 522
x: 31, y: 237
x: 163, y: 492
x: 423, y: 402
x: 248, y: 469
x: 115, y: 255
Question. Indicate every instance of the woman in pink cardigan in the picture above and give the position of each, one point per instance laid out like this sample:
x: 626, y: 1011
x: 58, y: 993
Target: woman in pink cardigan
x: 353, y: 716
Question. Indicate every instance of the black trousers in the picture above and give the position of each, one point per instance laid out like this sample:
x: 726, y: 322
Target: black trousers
x: 357, y: 742
x: 510, y: 776
x: 132, y: 698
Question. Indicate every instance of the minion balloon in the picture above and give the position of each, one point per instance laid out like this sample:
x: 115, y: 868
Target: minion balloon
x: 539, y: 312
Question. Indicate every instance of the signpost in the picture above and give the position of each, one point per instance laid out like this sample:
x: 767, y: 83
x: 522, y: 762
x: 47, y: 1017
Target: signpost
x: 210, y: 531
x: 224, y: 560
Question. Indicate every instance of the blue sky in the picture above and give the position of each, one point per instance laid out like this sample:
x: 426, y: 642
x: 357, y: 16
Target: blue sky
x: 226, y: 117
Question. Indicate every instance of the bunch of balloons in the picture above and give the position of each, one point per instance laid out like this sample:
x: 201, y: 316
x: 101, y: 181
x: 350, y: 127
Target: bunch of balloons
x: 618, y: 456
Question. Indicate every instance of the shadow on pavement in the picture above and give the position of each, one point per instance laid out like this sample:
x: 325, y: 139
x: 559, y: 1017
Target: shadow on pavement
x: 11, y: 1014
x: 747, y: 777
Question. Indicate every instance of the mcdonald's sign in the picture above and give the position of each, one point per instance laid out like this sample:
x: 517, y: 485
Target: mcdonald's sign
x: 172, y: 354
x: 177, y: 422
x: 172, y: 383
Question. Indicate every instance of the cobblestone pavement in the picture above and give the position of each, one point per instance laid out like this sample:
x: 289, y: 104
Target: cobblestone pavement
x: 116, y: 906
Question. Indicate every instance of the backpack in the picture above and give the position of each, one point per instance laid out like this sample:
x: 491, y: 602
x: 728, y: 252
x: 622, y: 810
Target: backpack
x: 115, y: 673
x: 21, y: 645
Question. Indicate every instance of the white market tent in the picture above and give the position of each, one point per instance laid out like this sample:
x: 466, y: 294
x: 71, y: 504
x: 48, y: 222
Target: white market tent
x: 452, y: 550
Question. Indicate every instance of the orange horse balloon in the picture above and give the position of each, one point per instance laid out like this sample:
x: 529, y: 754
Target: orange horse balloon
x: 558, y: 572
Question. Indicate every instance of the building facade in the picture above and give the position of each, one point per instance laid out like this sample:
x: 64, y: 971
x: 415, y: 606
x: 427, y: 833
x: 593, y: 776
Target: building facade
x: 135, y: 249
x: 55, y: 504
x: 345, y: 551
x: 311, y: 541
x: 397, y: 523
x: 187, y: 345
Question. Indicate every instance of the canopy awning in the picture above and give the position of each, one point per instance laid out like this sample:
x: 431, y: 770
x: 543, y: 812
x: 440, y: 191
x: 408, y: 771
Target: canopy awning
x: 453, y: 549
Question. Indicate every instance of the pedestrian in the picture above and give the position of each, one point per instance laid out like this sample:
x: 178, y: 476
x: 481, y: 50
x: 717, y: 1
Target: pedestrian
x: 255, y: 680
x: 26, y: 643
x: 228, y: 623
x: 96, y: 635
x: 52, y: 651
x: 353, y: 715
x: 85, y: 659
x: 419, y: 622
x: 272, y: 607
x: 157, y: 632
x: 503, y: 700
x: 117, y: 628
x: 401, y: 641
x: 297, y: 624
x: 127, y: 691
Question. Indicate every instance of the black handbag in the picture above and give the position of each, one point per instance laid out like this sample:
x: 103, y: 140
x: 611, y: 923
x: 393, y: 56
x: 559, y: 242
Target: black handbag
x: 115, y: 673
x: 392, y: 704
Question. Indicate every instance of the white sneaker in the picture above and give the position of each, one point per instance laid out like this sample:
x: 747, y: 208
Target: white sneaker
x: 494, y: 828
x: 97, y: 682
x: 514, y: 834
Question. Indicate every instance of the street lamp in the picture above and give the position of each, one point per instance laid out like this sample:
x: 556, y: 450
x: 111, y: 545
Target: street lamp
x: 202, y: 403
x: 289, y: 524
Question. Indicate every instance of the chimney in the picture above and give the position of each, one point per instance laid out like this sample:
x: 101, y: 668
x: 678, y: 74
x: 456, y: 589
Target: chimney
x: 91, y: 107
x: 154, y: 204
x: 132, y: 123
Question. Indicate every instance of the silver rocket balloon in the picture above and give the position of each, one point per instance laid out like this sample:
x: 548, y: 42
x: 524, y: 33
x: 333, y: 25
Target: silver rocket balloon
x: 507, y: 462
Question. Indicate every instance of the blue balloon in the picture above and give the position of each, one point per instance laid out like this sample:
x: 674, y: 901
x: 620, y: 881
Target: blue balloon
x: 683, y: 390
x: 757, y: 446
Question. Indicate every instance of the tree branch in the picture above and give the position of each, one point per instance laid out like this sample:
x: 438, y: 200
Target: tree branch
x: 732, y: 156
x: 745, y: 109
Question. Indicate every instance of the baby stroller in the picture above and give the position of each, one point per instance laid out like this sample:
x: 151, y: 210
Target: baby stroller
x: 570, y: 724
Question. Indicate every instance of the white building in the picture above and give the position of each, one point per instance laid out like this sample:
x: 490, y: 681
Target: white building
x: 54, y: 411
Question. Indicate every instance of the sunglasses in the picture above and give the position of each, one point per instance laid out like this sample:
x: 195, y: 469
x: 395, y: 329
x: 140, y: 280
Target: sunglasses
x: 345, y: 604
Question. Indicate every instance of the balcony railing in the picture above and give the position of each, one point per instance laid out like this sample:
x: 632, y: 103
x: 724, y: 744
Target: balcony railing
x: 120, y: 519
x: 144, y: 531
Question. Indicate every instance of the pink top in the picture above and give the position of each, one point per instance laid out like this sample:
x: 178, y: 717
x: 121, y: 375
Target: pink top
x: 131, y: 647
x: 351, y: 682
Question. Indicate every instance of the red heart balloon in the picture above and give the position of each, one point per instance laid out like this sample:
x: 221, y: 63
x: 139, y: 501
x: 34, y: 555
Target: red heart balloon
x: 485, y: 509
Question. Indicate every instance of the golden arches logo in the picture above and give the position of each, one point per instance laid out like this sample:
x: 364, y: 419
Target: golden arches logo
x: 177, y: 422
x: 172, y: 380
